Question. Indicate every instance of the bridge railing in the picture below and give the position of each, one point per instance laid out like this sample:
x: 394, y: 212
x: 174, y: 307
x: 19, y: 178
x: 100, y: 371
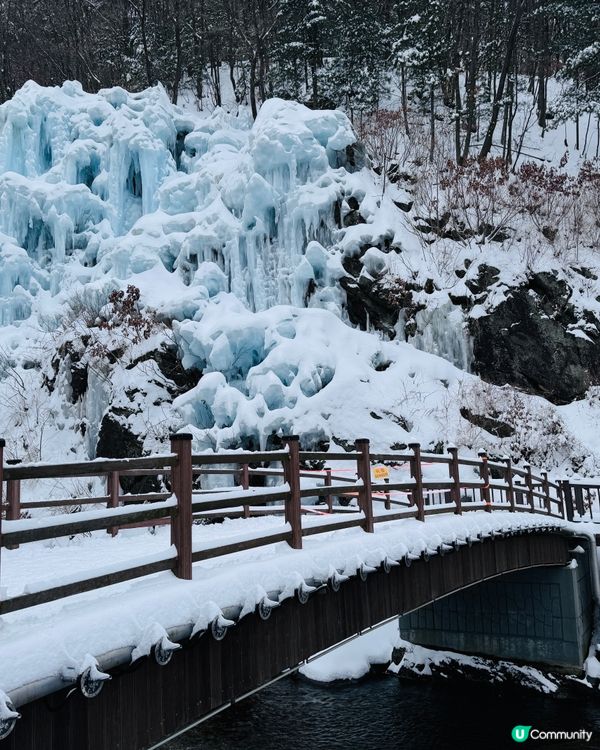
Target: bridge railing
x: 425, y: 484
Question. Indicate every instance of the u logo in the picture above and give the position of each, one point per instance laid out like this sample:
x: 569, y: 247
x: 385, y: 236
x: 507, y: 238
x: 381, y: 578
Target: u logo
x: 520, y: 733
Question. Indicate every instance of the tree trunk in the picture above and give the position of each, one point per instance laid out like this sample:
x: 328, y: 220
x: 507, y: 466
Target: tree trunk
x: 510, y: 48
x: 147, y: 63
x: 253, y: 87
x: 457, y: 106
x: 471, y: 103
x: 404, y: 99
x: 431, y: 123
x: 178, y: 54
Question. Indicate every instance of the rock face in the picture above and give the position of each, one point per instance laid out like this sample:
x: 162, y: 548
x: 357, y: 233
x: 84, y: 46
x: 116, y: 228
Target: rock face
x: 372, y: 302
x: 536, y: 341
x: 117, y: 440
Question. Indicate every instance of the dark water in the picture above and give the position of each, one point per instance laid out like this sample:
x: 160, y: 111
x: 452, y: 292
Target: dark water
x: 386, y: 713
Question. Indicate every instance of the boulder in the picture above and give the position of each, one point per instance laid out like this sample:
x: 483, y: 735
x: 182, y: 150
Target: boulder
x: 534, y: 341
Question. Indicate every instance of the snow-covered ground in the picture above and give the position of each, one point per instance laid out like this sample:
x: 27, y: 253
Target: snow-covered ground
x: 354, y: 659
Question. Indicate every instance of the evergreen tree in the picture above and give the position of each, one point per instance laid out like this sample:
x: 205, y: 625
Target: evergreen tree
x: 303, y: 34
x: 356, y: 73
x: 579, y: 48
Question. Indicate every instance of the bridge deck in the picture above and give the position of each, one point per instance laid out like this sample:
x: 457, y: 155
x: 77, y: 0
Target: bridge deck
x: 39, y: 642
x: 147, y: 702
x: 76, y: 599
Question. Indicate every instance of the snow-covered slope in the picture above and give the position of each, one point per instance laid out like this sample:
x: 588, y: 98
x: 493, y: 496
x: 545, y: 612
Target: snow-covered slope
x: 247, y: 243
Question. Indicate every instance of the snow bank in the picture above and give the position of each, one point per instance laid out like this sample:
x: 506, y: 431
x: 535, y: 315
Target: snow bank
x: 354, y: 659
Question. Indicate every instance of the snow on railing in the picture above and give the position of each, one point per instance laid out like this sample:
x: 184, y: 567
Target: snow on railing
x: 353, y: 495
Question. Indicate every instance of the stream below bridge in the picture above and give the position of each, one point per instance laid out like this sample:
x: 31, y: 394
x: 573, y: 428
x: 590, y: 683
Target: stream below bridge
x: 388, y: 713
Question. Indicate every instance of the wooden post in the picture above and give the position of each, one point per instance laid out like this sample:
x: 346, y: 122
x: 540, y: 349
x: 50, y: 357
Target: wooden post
x: 567, y: 499
x: 363, y: 470
x: 13, y: 498
x: 293, y: 505
x: 546, y: 490
x: 112, y: 490
x: 245, y: 482
x: 529, y: 483
x: 2, y: 446
x: 181, y: 525
x: 510, y: 490
x: 485, y: 475
x: 388, y: 504
x: 416, y: 473
x: 454, y: 471
x: 327, y: 483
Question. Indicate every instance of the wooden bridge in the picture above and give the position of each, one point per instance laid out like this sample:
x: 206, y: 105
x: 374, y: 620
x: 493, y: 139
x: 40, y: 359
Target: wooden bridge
x: 154, y: 698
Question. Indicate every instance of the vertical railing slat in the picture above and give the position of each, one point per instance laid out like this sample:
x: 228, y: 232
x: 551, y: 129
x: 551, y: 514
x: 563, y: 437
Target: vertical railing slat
x: 546, y: 491
x: 112, y: 490
x: 510, y: 490
x: 485, y: 476
x: 13, y: 499
x: 416, y: 471
x: 454, y: 471
x: 293, y: 506
x: 245, y: 482
x: 181, y: 525
x: 327, y: 483
x: 363, y: 470
x: 568, y: 499
x: 529, y: 483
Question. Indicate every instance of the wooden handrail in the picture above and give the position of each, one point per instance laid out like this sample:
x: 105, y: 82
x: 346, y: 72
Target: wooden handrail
x: 58, y: 526
x: 422, y: 497
x: 94, y: 468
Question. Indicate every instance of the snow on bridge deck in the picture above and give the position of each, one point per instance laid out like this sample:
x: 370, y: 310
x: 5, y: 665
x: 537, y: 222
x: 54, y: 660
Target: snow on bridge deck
x: 57, y: 638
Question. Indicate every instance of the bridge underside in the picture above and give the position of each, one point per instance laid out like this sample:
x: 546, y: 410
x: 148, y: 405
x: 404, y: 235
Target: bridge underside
x: 539, y: 615
x: 145, y: 702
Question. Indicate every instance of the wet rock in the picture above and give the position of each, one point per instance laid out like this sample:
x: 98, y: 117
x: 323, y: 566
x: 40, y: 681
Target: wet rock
x: 406, y: 207
x: 352, y: 218
x: 586, y: 273
x: 368, y: 307
x: 365, y: 308
x: 179, y: 379
x: 355, y: 157
x: 115, y: 439
x: 79, y: 381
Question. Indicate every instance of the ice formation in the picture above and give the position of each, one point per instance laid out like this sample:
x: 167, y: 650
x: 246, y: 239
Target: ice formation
x: 121, y: 182
x: 237, y: 234
x: 287, y: 370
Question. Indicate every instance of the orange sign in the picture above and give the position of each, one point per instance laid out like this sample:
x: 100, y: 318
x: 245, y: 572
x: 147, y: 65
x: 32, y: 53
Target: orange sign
x: 381, y: 472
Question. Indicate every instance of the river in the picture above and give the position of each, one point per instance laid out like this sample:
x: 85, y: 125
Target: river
x: 390, y: 713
